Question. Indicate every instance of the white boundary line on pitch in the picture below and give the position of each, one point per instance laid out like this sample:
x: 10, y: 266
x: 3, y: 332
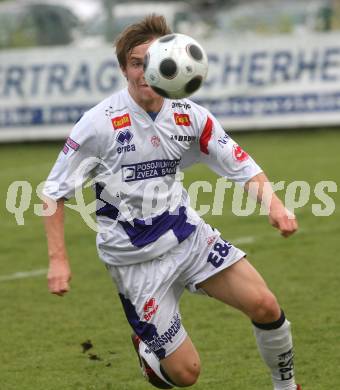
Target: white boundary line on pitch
x: 23, y: 275
x: 39, y: 272
x: 237, y: 241
x: 243, y: 240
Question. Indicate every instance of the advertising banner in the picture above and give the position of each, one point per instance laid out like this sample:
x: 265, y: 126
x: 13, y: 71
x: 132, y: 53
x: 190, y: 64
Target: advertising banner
x: 253, y: 83
x: 278, y: 82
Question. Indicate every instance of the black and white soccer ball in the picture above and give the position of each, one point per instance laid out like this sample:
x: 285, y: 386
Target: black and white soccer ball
x: 175, y: 66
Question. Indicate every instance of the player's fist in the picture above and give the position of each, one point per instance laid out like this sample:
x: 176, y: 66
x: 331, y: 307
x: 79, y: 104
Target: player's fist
x: 58, y: 277
x: 283, y: 219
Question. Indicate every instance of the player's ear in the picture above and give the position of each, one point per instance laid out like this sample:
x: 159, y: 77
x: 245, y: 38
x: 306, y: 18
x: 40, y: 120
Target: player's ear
x: 124, y: 72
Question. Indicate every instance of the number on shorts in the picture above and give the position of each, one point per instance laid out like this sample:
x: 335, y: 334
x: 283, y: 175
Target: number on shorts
x: 222, y: 249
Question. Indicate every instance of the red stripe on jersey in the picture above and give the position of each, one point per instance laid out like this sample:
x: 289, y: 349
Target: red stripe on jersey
x: 206, y: 136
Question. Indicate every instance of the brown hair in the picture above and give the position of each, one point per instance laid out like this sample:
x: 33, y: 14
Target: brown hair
x: 152, y: 26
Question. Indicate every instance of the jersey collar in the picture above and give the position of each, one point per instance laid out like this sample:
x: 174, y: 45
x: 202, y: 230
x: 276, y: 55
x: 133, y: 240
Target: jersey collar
x: 137, y: 108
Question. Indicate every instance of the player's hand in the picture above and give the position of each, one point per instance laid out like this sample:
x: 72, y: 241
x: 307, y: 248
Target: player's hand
x: 284, y: 220
x: 59, y: 276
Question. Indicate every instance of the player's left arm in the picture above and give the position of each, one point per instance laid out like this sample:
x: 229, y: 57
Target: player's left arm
x: 279, y: 216
x: 225, y: 157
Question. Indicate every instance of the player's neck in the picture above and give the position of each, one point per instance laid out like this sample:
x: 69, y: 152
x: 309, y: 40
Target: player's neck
x: 149, y: 105
x: 153, y: 105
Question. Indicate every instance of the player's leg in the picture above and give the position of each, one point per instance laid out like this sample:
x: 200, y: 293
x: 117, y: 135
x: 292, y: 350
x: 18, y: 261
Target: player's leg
x: 180, y: 368
x: 242, y: 287
x: 150, y: 294
x: 183, y: 365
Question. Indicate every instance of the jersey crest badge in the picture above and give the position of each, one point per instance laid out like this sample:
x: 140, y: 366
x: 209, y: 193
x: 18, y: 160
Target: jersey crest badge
x: 155, y: 140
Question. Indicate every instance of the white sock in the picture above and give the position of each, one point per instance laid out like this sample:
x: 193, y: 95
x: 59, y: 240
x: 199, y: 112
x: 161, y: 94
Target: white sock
x: 276, y: 348
x: 152, y: 361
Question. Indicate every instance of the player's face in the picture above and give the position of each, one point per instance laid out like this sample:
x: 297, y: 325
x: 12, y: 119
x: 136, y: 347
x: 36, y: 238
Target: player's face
x: 138, y: 87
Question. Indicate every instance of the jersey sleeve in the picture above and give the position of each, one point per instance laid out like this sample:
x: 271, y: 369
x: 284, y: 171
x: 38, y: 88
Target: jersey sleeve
x: 75, y: 163
x: 223, y: 155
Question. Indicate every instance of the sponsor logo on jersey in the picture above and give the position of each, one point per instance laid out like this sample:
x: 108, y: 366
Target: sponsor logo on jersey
x: 183, y: 138
x: 70, y: 144
x: 149, y: 169
x: 155, y: 140
x: 239, y: 154
x: 186, y: 106
x: 182, y: 119
x: 124, y: 138
x: 158, y: 341
x: 120, y: 122
x: 223, y: 140
x: 150, y: 308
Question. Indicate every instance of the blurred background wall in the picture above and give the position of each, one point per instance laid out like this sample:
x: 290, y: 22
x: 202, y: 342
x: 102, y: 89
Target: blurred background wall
x: 273, y: 64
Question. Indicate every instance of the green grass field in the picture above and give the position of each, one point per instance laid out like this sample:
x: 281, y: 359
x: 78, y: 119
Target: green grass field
x: 41, y: 334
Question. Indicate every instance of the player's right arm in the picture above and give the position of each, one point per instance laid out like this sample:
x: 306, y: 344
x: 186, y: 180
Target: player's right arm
x: 59, y: 272
x: 80, y: 150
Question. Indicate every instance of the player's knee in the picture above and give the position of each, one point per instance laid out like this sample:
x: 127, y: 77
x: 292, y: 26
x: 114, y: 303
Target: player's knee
x: 187, y: 375
x: 265, y: 307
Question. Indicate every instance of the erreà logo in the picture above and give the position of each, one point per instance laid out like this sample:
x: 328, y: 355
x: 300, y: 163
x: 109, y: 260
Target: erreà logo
x: 121, y: 121
x: 182, y: 119
x: 150, y: 308
x: 124, y: 136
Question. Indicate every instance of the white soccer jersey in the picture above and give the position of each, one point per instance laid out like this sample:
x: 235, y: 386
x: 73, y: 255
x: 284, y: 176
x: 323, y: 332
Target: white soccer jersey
x: 142, y: 208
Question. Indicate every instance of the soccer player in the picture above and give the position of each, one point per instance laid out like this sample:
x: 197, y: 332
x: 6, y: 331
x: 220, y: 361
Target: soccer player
x: 133, y: 144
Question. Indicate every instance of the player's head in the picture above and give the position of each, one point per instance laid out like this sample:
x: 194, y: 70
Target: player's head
x: 149, y: 28
x: 131, y: 46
